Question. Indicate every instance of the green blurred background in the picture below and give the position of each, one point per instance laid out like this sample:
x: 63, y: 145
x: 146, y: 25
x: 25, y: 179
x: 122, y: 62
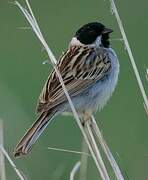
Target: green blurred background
x: 123, y: 121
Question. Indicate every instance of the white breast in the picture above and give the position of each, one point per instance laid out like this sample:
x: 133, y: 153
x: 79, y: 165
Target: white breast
x: 103, y: 90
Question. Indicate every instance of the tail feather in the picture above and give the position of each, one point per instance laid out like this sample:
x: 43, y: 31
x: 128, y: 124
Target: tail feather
x: 31, y: 136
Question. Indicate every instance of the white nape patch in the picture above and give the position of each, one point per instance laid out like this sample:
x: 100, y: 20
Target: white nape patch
x: 75, y: 42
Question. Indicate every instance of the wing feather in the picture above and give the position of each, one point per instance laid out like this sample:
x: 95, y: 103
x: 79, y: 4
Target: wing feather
x: 80, y: 68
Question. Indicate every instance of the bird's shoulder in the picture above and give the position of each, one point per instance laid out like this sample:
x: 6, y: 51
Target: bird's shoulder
x: 83, y: 62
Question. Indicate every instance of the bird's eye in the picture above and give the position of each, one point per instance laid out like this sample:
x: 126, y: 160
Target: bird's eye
x: 91, y: 32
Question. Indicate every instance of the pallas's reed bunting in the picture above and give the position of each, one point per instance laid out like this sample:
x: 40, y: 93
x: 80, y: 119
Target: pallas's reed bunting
x: 89, y: 68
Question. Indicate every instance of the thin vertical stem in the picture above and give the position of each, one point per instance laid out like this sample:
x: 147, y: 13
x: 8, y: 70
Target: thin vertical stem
x: 102, y: 168
x: 84, y: 161
x: 2, y: 158
x: 115, y: 11
x: 106, y: 150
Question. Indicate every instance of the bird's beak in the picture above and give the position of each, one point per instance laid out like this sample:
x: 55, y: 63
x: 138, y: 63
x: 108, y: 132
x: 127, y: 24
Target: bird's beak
x: 107, y: 30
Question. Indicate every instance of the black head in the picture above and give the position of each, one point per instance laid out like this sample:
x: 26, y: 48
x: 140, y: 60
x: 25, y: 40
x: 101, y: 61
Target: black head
x: 88, y: 33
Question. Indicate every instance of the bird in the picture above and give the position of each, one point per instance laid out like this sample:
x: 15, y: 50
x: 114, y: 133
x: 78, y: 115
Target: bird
x: 89, y: 68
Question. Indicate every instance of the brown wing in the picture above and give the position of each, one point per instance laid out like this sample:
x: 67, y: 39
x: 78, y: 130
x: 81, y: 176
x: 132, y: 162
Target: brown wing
x: 80, y: 67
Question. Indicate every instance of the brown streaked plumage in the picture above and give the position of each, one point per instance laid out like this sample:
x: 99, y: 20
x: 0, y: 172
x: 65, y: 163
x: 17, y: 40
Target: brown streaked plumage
x: 77, y: 74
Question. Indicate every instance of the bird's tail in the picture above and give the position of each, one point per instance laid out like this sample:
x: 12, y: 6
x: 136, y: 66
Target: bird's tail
x: 31, y: 136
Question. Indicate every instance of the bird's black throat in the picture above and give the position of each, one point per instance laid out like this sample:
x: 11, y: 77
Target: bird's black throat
x: 105, y: 40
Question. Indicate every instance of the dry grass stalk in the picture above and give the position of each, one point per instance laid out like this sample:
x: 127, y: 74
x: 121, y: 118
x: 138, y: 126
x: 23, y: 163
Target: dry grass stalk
x: 19, y: 174
x: 106, y: 150
x: 84, y: 161
x: 115, y: 12
x: 146, y: 74
x: 69, y: 151
x: 74, y: 170
x: 2, y: 158
x: 103, y: 170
